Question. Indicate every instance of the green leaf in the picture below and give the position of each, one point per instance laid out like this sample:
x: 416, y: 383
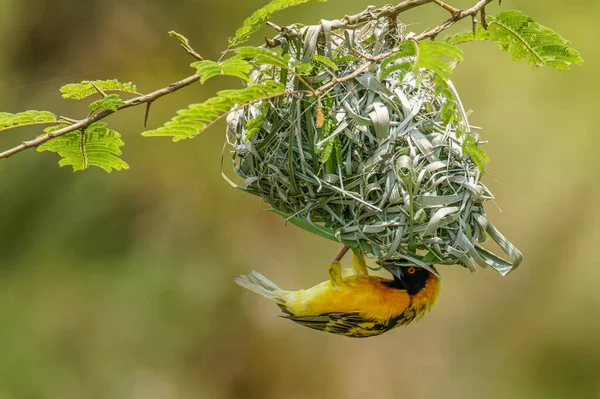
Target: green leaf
x: 324, y: 131
x: 27, y: 118
x: 322, y: 231
x: 338, y: 148
x: 524, y: 39
x: 448, y: 113
x: 263, y: 56
x: 432, y: 56
x: 449, y: 108
x: 78, y: 91
x: 403, y: 59
x: 260, y: 16
x: 307, y: 69
x: 327, y: 151
x: 332, y: 154
x: 438, y: 49
x: 184, y: 40
x: 422, y: 58
x: 197, y: 117
x: 479, y: 157
x: 325, y: 61
x: 97, y: 146
x: 111, y: 101
x: 426, y: 54
x: 255, y: 125
x: 234, y: 66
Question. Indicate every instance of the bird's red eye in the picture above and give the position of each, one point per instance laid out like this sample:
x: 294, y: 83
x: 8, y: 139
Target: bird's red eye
x: 411, y: 270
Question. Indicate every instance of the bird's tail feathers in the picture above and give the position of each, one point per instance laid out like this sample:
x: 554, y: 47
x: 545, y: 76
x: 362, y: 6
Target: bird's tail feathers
x: 258, y: 283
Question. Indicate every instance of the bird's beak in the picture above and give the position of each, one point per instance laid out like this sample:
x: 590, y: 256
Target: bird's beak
x: 395, y: 270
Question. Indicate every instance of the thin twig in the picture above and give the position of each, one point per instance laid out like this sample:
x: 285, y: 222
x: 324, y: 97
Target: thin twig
x: 70, y: 120
x: 484, y: 21
x: 453, y: 11
x: 432, y: 33
x: 274, y: 26
x: 99, y: 90
x: 335, y: 81
x: 340, y: 255
x: 192, y: 52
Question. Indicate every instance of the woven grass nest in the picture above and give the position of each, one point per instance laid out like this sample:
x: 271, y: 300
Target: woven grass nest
x: 371, y: 162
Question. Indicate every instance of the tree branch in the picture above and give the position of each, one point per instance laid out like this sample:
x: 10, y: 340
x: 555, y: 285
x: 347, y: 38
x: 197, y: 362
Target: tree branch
x: 369, y: 14
x: 386, y: 11
x: 83, y: 123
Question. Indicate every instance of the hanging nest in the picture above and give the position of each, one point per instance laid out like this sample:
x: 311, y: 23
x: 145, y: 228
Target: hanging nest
x: 378, y: 163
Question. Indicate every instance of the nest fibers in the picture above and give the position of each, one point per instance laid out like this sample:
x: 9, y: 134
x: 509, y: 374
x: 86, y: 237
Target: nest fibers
x: 370, y: 163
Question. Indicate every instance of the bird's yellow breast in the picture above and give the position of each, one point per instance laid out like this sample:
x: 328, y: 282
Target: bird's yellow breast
x: 368, y: 295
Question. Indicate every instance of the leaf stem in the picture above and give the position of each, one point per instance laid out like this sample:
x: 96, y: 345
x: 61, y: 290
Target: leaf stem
x: 35, y: 123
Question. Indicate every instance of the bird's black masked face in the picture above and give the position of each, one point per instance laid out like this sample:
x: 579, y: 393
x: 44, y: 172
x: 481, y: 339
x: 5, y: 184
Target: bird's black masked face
x: 411, y: 278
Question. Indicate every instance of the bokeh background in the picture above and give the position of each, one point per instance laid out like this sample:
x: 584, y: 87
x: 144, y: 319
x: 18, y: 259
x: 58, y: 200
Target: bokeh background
x: 121, y: 285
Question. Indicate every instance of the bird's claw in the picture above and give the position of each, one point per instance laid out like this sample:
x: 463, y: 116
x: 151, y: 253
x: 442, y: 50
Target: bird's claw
x: 335, y: 275
x: 359, y: 264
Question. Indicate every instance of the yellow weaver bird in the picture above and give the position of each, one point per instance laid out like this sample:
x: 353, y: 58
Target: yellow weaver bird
x: 356, y: 305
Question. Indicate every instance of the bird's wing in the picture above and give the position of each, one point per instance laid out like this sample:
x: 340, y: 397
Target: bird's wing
x: 352, y: 324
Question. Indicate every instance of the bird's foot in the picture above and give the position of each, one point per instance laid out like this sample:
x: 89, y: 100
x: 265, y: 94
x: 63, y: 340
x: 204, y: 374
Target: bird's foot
x: 359, y: 264
x: 335, y: 275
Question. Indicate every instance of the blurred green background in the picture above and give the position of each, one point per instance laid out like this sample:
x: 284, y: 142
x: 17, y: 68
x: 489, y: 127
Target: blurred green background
x: 121, y: 285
